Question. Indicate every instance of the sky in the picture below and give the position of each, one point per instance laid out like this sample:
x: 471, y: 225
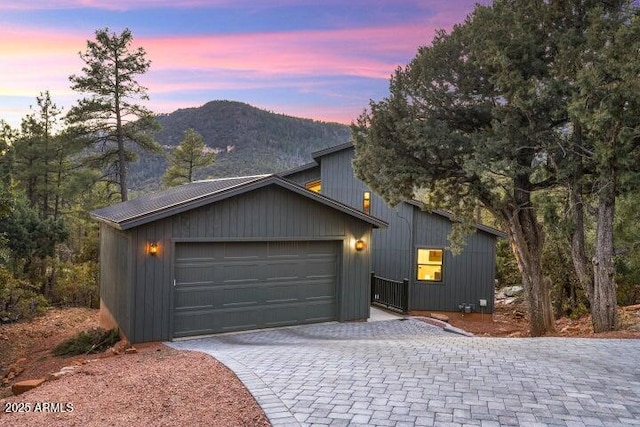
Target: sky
x: 322, y: 59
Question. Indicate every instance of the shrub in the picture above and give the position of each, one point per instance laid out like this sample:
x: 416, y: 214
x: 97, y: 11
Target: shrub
x: 19, y: 299
x: 92, y: 341
x: 77, y: 285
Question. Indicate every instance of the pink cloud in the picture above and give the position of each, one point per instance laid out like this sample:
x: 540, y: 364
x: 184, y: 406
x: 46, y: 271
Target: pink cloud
x: 37, y: 60
x: 34, y: 60
x: 366, y: 52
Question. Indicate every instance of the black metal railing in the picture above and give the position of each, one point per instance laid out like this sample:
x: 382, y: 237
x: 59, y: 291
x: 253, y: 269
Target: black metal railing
x: 390, y: 293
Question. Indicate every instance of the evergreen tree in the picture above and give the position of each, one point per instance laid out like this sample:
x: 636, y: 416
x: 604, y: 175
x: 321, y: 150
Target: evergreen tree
x: 606, y: 107
x: 7, y: 136
x: 34, y: 154
x: 187, y: 158
x: 112, y: 117
x: 523, y: 97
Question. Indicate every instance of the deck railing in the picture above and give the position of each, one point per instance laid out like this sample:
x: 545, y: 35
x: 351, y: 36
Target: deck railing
x: 390, y: 293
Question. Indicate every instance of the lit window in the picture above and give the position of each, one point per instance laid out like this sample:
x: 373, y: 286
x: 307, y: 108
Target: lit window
x: 366, y: 202
x: 314, y: 185
x: 430, y: 265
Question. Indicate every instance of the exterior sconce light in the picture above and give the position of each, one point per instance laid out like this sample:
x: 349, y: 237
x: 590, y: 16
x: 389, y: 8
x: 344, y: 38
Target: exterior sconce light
x: 360, y: 245
x: 153, y: 249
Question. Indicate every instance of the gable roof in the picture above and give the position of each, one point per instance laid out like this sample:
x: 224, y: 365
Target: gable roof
x: 317, y: 155
x: 162, y: 204
x: 452, y: 218
x: 297, y: 169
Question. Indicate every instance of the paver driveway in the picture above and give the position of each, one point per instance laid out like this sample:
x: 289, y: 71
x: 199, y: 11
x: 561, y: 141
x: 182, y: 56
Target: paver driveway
x: 408, y: 372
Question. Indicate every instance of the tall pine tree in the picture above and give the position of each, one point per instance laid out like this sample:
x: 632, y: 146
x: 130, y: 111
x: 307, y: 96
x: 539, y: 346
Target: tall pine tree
x: 111, y: 117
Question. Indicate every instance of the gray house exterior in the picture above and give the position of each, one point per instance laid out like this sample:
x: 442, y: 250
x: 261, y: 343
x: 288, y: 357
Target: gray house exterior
x: 232, y: 254
x: 414, y: 246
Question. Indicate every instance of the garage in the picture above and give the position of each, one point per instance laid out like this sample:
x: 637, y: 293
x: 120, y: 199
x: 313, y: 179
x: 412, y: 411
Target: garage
x: 232, y: 254
x: 224, y: 287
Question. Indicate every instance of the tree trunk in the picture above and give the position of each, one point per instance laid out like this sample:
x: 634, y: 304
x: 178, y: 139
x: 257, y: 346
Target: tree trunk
x: 122, y: 168
x: 581, y: 263
x: 122, y: 155
x: 604, y: 303
x: 527, y: 239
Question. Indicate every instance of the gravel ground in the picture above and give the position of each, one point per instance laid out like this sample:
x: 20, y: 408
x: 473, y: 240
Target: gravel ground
x: 158, y: 386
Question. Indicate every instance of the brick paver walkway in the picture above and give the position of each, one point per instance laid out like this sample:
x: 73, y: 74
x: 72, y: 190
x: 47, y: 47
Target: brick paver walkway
x: 405, y: 373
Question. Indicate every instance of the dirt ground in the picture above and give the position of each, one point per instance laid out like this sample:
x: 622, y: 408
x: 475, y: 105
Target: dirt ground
x: 510, y: 320
x: 34, y: 340
x: 156, y: 385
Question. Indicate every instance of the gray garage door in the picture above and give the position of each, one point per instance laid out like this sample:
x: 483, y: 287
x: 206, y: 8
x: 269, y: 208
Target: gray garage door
x: 222, y: 287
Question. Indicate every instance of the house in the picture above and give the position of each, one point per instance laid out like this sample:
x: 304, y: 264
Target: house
x: 413, y: 248
x: 232, y: 254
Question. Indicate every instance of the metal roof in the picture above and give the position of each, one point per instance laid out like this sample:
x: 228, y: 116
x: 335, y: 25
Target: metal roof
x: 329, y: 150
x: 174, y: 196
x: 297, y: 169
x: 189, y: 196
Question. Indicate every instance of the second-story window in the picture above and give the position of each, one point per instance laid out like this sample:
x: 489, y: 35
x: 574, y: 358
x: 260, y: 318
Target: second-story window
x: 315, y: 185
x: 366, y: 202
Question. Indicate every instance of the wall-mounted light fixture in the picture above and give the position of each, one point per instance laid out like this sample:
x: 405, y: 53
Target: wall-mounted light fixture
x: 153, y: 249
x: 360, y: 245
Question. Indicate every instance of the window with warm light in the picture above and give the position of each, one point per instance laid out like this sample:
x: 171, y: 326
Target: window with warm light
x: 315, y: 186
x: 430, y: 265
x: 366, y: 202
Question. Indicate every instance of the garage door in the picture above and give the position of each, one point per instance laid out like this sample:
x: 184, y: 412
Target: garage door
x: 222, y: 287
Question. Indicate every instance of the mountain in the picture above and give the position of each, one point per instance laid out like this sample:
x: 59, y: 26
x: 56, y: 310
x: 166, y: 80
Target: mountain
x: 248, y: 140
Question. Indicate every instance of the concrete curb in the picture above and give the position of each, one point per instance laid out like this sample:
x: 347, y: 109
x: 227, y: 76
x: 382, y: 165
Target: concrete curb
x: 444, y: 325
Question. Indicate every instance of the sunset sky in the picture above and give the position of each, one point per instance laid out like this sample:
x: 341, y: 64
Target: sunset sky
x: 318, y: 59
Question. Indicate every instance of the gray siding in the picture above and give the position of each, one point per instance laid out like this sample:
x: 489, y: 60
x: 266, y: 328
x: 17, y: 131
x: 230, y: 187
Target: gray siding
x: 304, y: 176
x: 467, y: 277
x: 115, y: 275
x: 270, y: 213
x: 391, y: 246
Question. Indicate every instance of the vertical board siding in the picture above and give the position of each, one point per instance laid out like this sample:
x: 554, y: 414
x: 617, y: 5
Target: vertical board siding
x: 391, y: 246
x: 304, y: 176
x: 356, y: 268
x: 467, y: 277
x: 265, y: 214
x: 115, y: 276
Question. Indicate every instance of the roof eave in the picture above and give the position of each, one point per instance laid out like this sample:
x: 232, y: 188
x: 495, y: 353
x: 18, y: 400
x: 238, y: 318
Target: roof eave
x: 236, y: 190
x: 301, y: 168
x: 450, y: 217
x: 320, y: 153
x: 375, y: 222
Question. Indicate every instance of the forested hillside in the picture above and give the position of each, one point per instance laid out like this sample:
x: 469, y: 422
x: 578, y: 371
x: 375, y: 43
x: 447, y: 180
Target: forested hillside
x: 248, y: 140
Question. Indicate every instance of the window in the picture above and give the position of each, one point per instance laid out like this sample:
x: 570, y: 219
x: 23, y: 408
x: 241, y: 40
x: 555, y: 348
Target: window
x: 430, y: 265
x: 366, y: 202
x: 315, y: 185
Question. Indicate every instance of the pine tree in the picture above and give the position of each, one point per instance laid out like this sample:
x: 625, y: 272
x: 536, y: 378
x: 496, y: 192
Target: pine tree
x: 188, y: 157
x: 112, y: 117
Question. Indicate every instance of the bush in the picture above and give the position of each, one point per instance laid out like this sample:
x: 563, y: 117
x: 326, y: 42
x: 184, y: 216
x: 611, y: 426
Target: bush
x: 19, y: 299
x: 507, y: 273
x: 77, y: 285
x: 92, y: 341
